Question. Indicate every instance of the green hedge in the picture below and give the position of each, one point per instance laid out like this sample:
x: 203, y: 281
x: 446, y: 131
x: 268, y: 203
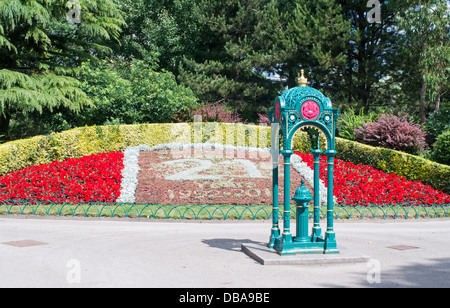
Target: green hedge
x: 409, y: 166
x: 83, y: 141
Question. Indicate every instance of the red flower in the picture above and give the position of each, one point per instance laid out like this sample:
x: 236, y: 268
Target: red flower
x: 90, y: 178
x: 365, y: 185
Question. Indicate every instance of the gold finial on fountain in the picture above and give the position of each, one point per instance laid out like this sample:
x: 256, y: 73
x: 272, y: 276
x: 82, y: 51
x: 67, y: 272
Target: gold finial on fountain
x: 301, y: 80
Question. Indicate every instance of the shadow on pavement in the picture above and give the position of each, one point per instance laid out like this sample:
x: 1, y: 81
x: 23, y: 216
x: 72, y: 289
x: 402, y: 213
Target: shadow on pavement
x: 227, y: 243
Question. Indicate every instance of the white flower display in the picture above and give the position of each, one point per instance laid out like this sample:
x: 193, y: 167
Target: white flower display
x: 308, y: 174
x: 129, y: 173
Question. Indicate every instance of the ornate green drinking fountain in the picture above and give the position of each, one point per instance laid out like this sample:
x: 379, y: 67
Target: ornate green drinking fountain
x: 305, y: 108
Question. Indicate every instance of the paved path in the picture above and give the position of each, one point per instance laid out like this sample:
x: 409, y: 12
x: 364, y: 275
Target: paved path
x: 124, y: 253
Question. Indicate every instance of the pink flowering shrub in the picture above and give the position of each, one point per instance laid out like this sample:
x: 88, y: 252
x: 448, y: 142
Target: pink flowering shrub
x: 394, y: 133
x: 263, y: 118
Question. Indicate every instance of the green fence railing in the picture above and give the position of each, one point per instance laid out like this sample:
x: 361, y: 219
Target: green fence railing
x: 211, y: 212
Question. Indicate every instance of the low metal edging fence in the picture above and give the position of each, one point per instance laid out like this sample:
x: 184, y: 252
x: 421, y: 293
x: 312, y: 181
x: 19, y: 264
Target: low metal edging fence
x: 211, y: 212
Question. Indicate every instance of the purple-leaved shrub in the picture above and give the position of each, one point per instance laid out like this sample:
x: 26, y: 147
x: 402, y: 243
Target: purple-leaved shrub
x: 210, y: 113
x: 263, y: 118
x: 393, y: 132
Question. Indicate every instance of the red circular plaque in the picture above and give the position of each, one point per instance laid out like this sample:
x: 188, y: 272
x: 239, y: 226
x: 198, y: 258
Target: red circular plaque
x: 310, y: 110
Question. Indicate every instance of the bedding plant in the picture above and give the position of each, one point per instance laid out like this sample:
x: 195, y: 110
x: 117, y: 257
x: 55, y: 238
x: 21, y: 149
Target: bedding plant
x: 97, y: 178
x: 87, y: 179
x: 365, y: 185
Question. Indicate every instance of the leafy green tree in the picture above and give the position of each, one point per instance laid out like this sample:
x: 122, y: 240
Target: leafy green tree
x: 126, y: 92
x: 157, y: 95
x: 112, y: 96
x: 165, y: 27
x: 426, y: 27
x: 39, y: 51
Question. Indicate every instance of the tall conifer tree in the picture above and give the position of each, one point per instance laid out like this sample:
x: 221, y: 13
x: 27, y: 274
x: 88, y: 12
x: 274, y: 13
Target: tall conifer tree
x: 233, y: 62
x: 247, y: 41
x: 39, y: 49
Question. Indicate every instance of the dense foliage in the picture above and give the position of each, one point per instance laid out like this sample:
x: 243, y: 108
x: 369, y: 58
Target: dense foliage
x: 441, y: 150
x: 136, y: 61
x: 39, y: 51
x: 349, y: 121
x: 132, y: 93
x: 438, y: 122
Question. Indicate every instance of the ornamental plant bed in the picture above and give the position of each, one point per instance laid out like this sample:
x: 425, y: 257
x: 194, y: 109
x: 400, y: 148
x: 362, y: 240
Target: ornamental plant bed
x: 88, y: 179
x: 192, y: 177
x: 217, y: 177
x: 365, y: 185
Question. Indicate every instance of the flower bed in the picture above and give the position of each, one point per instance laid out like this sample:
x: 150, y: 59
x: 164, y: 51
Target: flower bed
x: 365, y: 185
x: 197, y: 176
x: 160, y: 175
x: 87, y: 179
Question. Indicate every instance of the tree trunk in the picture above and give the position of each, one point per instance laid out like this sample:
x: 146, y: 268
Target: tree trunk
x: 438, y: 102
x: 422, y: 103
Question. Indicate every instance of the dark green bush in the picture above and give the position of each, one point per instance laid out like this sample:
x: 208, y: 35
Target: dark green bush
x: 349, y: 121
x: 438, y: 122
x: 441, y: 149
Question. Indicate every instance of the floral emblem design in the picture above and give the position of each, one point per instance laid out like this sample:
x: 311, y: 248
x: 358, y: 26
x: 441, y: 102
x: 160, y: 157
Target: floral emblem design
x: 310, y: 110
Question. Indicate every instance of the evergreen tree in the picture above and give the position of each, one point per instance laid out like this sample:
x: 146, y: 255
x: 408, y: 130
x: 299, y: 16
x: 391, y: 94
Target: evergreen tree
x: 311, y: 35
x: 233, y: 61
x: 427, y: 31
x: 39, y: 50
x: 372, y: 52
x: 247, y: 41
